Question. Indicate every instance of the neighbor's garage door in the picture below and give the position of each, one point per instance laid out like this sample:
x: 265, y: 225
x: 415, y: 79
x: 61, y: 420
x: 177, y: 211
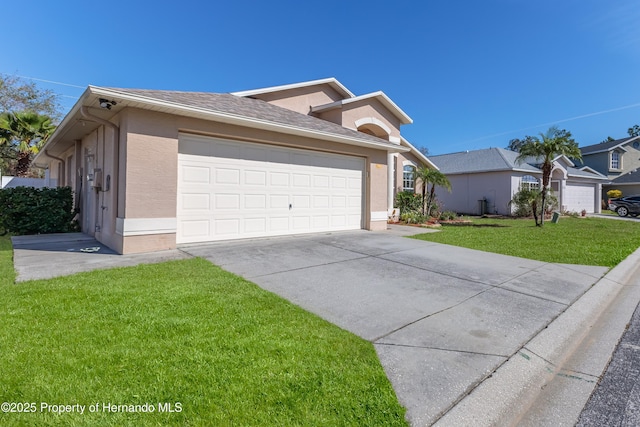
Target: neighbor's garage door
x: 579, y: 196
x: 229, y: 190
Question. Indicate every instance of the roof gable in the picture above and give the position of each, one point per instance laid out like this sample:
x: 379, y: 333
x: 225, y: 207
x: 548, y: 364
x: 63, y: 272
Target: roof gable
x: 608, y: 146
x: 379, y: 96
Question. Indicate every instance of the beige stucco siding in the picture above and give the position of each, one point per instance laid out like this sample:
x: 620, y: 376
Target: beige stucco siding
x: 301, y: 99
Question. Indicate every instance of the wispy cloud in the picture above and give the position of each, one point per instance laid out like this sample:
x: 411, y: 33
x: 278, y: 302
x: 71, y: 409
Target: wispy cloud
x: 555, y: 122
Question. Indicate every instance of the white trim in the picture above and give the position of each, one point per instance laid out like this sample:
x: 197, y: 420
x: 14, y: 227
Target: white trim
x: 379, y: 216
x: 409, y: 163
x: 143, y: 226
x: 394, y: 139
x: 373, y: 121
x: 330, y: 81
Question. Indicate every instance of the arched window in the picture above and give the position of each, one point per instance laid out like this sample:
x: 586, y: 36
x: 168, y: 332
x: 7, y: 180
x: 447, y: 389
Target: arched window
x: 529, y: 182
x: 408, y: 178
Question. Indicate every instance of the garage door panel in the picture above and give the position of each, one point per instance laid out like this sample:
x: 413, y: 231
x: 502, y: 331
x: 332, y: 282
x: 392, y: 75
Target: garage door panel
x: 255, y: 201
x: 227, y: 201
x: 227, y: 176
x: 196, y: 174
x: 255, y: 225
x: 279, y: 224
x: 196, y: 202
x: 226, y: 227
x: 194, y: 229
x: 254, y: 177
x: 338, y: 182
x: 251, y: 190
x: 279, y: 179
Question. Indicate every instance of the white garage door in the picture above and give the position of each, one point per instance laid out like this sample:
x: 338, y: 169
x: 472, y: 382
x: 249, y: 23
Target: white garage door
x: 579, y: 196
x: 229, y: 190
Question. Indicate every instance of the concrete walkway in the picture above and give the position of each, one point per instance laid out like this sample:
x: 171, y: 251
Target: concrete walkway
x: 52, y: 255
x: 466, y: 337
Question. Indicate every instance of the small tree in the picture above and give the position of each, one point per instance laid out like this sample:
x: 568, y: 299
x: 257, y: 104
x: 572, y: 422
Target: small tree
x: 544, y: 150
x: 435, y: 178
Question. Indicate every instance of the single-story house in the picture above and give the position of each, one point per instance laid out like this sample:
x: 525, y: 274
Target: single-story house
x: 619, y: 161
x: 152, y: 169
x: 484, y: 181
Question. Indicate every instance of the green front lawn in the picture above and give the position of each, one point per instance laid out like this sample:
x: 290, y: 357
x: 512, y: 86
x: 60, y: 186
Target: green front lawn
x: 587, y: 241
x: 216, y: 347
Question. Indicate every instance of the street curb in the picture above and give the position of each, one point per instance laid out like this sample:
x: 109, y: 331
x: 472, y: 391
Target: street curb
x: 508, y: 394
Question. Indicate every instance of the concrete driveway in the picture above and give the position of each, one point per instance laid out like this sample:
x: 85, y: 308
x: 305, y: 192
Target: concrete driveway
x: 441, y: 318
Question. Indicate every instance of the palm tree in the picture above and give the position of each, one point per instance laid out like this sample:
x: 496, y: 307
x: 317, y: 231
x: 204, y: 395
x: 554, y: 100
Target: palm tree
x: 435, y: 178
x: 25, y: 132
x: 544, y: 150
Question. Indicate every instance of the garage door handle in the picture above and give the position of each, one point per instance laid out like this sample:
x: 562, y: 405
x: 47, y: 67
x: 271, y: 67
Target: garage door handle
x: 290, y: 206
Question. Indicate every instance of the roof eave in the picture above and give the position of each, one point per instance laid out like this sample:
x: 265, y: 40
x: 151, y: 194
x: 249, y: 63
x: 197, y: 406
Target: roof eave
x: 207, y: 114
x: 332, y: 81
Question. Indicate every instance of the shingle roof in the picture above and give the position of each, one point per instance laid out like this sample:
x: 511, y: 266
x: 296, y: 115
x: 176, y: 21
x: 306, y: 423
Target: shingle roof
x: 250, y: 108
x: 486, y: 160
x: 632, y: 177
x: 606, y: 146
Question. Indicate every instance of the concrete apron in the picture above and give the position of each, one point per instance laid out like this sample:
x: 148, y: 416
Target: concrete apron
x: 444, y: 320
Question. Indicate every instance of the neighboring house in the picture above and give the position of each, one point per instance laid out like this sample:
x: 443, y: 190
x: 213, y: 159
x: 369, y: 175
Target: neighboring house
x: 484, y: 181
x: 14, y: 181
x: 619, y: 161
x: 153, y: 169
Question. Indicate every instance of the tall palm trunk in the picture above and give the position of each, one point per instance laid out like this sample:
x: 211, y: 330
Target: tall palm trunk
x: 23, y: 164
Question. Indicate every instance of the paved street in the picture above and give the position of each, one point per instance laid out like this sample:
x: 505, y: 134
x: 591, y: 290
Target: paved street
x: 616, y: 401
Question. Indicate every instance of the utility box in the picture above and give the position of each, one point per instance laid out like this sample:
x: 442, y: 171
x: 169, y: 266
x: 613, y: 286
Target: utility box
x: 482, y: 206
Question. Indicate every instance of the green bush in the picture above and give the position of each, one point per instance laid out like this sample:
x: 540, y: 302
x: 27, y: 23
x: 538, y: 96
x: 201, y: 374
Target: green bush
x: 448, y: 216
x: 413, y: 217
x: 29, y: 210
x: 408, y: 201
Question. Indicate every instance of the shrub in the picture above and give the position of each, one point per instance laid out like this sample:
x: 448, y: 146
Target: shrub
x: 29, y: 210
x: 408, y: 201
x: 413, y: 217
x: 614, y: 194
x: 448, y: 216
x: 525, y: 199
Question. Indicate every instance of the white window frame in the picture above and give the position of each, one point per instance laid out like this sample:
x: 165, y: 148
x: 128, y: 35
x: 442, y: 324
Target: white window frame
x: 408, y: 176
x: 529, y: 182
x: 615, y: 161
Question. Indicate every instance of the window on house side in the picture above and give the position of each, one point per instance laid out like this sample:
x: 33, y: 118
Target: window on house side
x: 529, y: 182
x: 615, y: 160
x: 408, y: 180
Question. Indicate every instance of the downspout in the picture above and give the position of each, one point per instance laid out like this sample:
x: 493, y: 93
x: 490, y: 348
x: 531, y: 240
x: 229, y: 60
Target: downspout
x: 116, y: 160
x: 61, y: 177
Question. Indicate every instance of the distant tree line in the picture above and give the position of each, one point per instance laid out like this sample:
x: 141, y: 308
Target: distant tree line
x: 27, y: 117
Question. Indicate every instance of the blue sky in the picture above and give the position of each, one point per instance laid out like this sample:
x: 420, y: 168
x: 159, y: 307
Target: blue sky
x: 472, y: 74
